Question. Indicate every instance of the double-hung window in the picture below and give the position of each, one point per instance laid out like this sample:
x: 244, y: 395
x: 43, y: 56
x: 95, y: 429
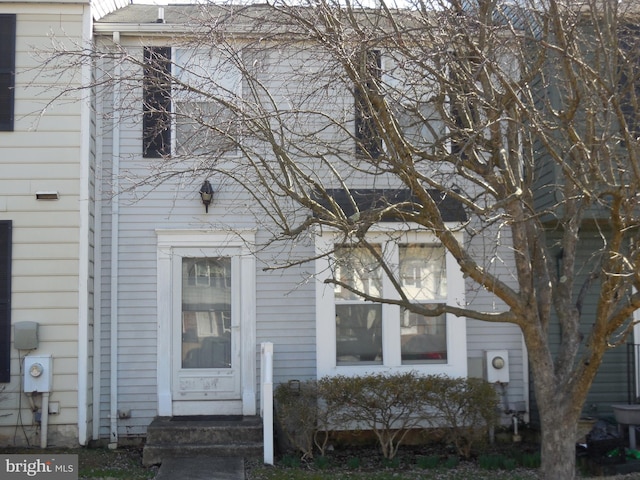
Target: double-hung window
x: 357, y: 335
x: 7, y: 70
x: 205, y: 92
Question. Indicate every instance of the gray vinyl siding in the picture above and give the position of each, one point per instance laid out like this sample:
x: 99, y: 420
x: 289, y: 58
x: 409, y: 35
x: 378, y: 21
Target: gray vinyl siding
x: 285, y: 298
x: 610, y: 384
x: 484, y: 336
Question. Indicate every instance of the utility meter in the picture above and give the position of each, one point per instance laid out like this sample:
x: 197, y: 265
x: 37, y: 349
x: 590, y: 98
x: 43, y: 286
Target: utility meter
x: 38, y: 373
x: 497, y: 366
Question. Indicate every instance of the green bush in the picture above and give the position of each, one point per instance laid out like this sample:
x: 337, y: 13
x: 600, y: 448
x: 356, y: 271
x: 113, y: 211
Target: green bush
x: 354, y: 463
x: 322, y: 462
x: 290, y: 461
x: 428, y: 462
x: 530, y: 460
x: 451, y: 462
x: 491, y: 462
x: 388, y: 405
x: 510, y: 464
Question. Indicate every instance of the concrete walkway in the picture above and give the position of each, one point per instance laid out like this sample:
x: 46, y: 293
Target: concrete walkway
x: 201, y: 468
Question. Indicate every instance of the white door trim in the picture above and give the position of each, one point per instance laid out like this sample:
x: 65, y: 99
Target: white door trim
x: 167, y: 242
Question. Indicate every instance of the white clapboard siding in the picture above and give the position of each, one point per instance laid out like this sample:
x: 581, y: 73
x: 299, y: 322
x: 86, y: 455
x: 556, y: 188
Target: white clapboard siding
x: 43, y: 153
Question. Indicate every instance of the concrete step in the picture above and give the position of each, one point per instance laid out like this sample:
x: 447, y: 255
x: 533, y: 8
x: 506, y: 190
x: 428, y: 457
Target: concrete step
x: 203, y: 436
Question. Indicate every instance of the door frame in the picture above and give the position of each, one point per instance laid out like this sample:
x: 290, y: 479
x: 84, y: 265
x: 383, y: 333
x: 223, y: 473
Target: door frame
x: 169, y: 242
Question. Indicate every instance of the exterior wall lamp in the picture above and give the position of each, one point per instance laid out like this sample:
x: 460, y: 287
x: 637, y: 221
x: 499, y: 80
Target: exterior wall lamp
x: 206, y: 194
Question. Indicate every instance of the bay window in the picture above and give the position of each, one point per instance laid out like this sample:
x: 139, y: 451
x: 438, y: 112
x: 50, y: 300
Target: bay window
x: 357, y: 335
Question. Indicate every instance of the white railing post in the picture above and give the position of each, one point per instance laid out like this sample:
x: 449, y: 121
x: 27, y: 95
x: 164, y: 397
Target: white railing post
x: 266, y: 399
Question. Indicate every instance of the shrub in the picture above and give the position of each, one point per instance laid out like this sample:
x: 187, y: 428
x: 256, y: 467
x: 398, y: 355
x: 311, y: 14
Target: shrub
x: 428, y: 462
x: 354, y: 463
x: 290, y: 461
x: 510, y: 464
x: 451, y: 462
x: 321, y: 462
x: 299, y: 416
x: 531, y: 460
x: 491, y: 462
x: 466, y: 406
x: 388, y: 405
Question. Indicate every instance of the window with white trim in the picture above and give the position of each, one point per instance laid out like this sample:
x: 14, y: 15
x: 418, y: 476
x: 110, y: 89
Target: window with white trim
x: 206, y: 88
x: 356, y: 335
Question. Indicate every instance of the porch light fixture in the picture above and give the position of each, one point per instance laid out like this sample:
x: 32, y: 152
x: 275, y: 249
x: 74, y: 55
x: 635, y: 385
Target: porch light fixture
x: 206, y: 194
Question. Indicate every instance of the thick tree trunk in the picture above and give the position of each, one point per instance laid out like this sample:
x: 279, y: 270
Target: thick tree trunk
x: 558, y: 444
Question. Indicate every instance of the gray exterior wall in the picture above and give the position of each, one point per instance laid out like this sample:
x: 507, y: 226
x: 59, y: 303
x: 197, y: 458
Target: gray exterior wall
x: 285, y: 299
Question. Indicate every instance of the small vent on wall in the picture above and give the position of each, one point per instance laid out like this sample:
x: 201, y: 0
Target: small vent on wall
x: 47, y: 196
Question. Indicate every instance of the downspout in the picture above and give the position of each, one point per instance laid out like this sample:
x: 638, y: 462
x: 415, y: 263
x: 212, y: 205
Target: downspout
x: 115, y: 233
x: 97, y: 269
x: 525, y: 379
x: 636, y: 360
x: 84, y: 241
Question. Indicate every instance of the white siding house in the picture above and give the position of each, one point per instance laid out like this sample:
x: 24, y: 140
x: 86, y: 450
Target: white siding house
x: 160, y: 252
x: 47, y: 222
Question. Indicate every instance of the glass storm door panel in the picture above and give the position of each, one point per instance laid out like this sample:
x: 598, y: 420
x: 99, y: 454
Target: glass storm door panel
x: 206, y: 313
x: 206, y: 334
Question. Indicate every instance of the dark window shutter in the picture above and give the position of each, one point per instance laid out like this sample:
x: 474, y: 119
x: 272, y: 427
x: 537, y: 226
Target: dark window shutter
x: 7, y: 70
x: 156, y: 121
x: 5, y: 300
x: 368, y: 141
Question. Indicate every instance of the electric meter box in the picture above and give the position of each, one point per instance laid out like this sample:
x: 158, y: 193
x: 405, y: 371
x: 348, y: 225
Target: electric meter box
x: 38, y: 373
x: 497, y: 366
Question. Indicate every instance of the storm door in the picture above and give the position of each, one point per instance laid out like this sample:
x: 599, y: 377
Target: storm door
x: 206, y: 335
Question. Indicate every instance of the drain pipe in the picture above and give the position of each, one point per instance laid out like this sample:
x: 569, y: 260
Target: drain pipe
x: 115, y: 234
x: 44, y: 420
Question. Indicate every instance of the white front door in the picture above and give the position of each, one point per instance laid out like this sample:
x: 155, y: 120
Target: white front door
x: 206, y: 336
x: 205, y: 363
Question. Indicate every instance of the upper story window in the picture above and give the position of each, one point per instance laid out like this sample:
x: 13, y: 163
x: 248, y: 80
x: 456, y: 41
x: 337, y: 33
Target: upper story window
x: 191, y: 92
x: 205, y: 93
x: 368, y: 142
x: 357, y: 335
x: 156, y: 120
x: 629, y: 72
x: 7, y: 70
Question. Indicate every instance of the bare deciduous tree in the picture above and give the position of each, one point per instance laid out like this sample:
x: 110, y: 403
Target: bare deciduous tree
x: 524, y: 113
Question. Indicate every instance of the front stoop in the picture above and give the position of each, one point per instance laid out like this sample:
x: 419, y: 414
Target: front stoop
x: 202, y: 436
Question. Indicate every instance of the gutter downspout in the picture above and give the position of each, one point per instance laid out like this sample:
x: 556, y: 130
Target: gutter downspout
x: 115, y: 234
x: 84, y: 241
x: 525, y: 380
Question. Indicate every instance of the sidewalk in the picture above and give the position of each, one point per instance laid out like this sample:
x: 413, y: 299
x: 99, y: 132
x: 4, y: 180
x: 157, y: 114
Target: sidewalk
x: 201, y: 468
